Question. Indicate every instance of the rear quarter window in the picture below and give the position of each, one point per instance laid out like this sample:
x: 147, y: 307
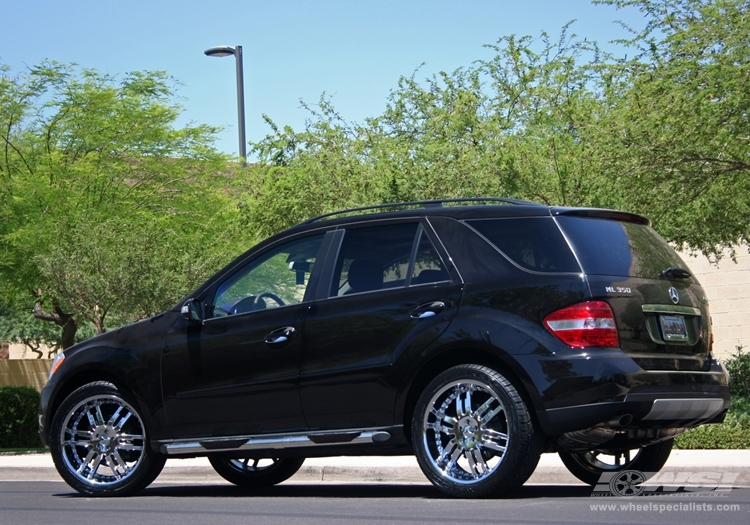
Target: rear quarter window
x: 533, y: 243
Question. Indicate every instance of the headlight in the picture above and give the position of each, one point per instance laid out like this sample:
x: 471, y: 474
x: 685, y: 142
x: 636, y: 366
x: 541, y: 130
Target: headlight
x: 56, y: 362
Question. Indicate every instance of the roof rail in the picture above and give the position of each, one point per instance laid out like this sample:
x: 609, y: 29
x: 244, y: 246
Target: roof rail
x: 439, y: 203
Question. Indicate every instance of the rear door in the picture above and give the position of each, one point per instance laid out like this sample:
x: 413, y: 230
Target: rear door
x: 660, y: 309
x: 389, y: 293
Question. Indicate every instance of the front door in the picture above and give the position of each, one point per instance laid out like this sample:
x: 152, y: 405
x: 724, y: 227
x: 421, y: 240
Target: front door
x: 237, y: 373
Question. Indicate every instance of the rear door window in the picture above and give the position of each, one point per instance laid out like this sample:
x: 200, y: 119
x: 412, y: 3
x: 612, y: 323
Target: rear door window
x: 380, y: 257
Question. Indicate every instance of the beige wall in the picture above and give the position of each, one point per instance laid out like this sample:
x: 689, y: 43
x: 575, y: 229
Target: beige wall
x: 21, y: 351
x: 22, y: 372
x: 728, y: 289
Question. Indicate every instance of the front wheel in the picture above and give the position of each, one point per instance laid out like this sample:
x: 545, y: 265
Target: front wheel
x: 473, y: 434
x: 99, y: 442
x: 589, y: 466
x: 254, y: 472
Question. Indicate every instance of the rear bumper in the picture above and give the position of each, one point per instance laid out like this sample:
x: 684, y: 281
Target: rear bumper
x: 612, y: 391
x: 666, y: 409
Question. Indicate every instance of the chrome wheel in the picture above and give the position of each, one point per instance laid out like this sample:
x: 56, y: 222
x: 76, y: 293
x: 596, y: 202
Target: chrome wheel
x: 99, y: 442
x: 589, y: 466
x: 102, y: 440
x: 472, y: 433
x: 466, y: 431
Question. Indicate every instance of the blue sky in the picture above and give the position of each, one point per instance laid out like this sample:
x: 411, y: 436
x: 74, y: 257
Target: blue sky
x: 355, y: 51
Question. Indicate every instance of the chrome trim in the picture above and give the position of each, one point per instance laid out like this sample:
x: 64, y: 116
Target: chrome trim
x: 272, y: 441
x: 700, y: 408
x: 669, y: 309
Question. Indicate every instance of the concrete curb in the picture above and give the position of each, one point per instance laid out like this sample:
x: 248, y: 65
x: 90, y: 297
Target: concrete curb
x: 402, y: 469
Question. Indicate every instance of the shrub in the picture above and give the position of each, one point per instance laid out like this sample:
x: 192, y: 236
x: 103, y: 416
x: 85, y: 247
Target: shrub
x: 733, y: 433
x: 19, y: 425
x: 739, y: 373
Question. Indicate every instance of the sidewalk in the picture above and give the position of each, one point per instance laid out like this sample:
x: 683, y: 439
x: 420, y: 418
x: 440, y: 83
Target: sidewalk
x: 370, y: 469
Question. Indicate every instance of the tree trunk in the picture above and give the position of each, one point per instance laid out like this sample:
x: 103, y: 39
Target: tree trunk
x: 66, y: 321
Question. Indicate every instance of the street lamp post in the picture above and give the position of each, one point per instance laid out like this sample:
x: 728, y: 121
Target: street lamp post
x: 225, y: 51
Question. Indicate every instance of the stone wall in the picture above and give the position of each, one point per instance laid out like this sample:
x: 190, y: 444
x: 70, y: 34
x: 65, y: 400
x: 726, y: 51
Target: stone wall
x: 728, y: 289
x: 21, y: 372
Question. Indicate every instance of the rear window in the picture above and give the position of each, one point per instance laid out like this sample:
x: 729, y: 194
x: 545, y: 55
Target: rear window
x: 534, y: 244
x: 608, y: 247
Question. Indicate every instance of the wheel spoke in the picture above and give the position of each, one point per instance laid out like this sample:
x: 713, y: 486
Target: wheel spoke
x: 492, y: 414
x: 439, y: 428
x: 119, y: 463
x: 90, y: 456
x: 482, y: 409
x: 477, y: 463
x: 95, y: 466
x: 124, y: 420
x: 130, y: 437
x: 496, y: 441
x: 86, y: 434
x: 115, y: 416
x: 129, y: 446
x: 99, y: 416
x: 452, y: 451
x: 74, y: 443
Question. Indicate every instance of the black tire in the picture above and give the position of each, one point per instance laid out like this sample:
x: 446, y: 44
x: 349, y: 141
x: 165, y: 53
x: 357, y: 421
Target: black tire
x: 589, y: 466
x: 100, y: 444
x: 249, y: 472
x: 487, y: 447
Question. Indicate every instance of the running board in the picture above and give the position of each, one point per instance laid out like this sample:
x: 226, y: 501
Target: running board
x: 275, y: 441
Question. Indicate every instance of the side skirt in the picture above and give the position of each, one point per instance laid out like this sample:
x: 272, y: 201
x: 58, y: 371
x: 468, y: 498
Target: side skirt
x: 338, y: 438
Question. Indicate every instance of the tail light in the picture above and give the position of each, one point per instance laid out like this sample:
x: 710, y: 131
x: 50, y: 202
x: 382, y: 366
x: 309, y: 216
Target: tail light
x: 586, y: 324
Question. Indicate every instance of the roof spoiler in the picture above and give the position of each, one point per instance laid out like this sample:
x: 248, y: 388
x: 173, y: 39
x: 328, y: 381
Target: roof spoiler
x: 613, y: 215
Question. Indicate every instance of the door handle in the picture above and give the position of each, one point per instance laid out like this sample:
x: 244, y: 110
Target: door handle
x: 427, y: 310
x: 280, y: 335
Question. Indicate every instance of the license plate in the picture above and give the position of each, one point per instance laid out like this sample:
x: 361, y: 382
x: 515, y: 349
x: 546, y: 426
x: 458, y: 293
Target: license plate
x: 673, y: 327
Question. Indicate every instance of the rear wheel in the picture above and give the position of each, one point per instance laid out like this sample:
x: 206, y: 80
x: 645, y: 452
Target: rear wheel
x: 253, y: 472
x: 589, y: 466
x: 472, y: 433
x: 99, y: 442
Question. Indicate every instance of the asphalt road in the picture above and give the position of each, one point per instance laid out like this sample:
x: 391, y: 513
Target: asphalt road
x: 54, y: 503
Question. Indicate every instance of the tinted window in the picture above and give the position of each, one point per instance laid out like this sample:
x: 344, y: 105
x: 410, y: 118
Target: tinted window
x: 533, y: 243
x: 379, y: 257
x: 428, y: 268
x: 608, y: 247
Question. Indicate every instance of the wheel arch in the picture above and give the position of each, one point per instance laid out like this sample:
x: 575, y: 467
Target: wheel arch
x: 94, y: 370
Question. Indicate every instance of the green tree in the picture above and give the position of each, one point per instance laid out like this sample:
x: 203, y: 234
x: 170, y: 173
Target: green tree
x: 664, y: 133
x: 110, y: 212
x: 676, y: 145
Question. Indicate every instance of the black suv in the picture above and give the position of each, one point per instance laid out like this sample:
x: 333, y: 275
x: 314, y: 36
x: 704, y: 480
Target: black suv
x: 473, y: 333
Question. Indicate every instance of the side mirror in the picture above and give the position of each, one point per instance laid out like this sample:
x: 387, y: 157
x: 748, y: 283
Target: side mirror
x: 192, y: 311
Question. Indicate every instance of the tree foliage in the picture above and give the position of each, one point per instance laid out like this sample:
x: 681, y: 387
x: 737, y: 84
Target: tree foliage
x: 664, y: 133
x: 104, y: 199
